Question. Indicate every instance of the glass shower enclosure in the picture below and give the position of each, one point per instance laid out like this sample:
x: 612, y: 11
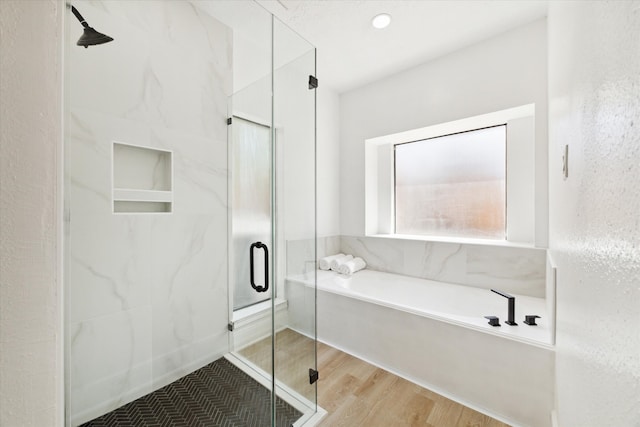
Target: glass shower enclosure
x: 189, y: 201
x: 272, y: 216
x: 272, y: 191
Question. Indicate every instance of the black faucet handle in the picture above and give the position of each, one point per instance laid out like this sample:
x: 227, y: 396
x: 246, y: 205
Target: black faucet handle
x: 493, y: 320
x: 530, y: 319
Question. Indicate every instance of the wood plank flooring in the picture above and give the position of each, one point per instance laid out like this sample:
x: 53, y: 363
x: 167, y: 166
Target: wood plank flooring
x: 295, y: 354
x: 356, y: 393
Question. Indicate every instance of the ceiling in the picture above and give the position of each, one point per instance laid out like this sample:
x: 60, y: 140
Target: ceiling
x: 351, y: 53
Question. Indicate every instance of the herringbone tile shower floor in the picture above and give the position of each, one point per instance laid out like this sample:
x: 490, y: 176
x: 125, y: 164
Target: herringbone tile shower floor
x: 217, y: 395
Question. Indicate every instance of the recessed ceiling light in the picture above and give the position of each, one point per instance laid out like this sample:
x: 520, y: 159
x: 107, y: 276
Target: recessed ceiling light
x: 381, y: 20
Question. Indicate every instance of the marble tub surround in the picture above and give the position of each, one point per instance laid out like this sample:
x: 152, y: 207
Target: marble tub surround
x: 301, y: 254
x: 518, y: 270
x: 146, y: 293
x: 511, y: 269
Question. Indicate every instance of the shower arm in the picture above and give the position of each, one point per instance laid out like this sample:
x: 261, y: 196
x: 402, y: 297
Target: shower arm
x: 80, y: 18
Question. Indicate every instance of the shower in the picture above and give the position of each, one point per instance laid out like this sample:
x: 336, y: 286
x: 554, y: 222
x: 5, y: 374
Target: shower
x: 188, y: 153
x: 90, y: 37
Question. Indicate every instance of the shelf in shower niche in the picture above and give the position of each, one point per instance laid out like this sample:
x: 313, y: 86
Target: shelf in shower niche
x: 135, y: 206
x: 141, y: 201
x: 125, y: 194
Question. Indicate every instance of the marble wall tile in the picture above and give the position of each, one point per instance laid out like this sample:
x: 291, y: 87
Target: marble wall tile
x: 329, y: 245
x: 434, y: 260
x: 88, y: 152
x: 189, y: 291
x: 301, y: 253
x: 186, y: 250
x: 135, y: 76
x: 180, y: 361
x: 114, y: 78
x: 111, y: 361
x: 517, y: 270
x: 511, y: 269
x: 107, y: 265
x: 379, y: 254
x: 148, y: 296
x: 199, y: 171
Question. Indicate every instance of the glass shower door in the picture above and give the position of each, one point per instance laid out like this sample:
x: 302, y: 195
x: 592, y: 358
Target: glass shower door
x: 294, y: 113
x: 272, y: 191
x: 251, y: 222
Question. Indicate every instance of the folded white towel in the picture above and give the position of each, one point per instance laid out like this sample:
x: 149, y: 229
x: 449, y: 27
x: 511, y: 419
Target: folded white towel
x: 336, y: 263
x: 352, y: 266
x: 325, y: 263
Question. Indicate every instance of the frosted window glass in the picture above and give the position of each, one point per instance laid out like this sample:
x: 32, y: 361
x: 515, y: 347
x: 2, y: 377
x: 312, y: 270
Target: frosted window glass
x: 251, y: 213
x: 452, y: 185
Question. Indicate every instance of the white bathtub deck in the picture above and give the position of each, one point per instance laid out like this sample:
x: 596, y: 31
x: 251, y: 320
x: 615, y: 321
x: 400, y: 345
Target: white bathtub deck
x: 456, y: 304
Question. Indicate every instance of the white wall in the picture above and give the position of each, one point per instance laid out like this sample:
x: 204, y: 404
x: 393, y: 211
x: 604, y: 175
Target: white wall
x: 293, y: 123
x: 500, y: 73
x: 328, y: 160
x: 31, y: 392
x: 594, y: 93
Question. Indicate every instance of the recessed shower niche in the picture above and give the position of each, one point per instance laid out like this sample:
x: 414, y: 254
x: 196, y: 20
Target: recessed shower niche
x: 142, y: 179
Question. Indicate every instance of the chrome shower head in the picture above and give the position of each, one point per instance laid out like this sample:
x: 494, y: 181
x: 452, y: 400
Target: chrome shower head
x: 90, y: 37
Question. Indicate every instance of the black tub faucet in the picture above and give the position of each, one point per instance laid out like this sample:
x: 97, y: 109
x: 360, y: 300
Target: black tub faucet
x: 511, y: 320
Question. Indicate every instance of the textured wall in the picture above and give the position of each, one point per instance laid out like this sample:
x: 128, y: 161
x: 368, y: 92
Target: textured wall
x: 594, y: 69
x: 30, y: 129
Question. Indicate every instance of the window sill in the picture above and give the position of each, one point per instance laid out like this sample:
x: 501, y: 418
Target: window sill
x: 459, y: 240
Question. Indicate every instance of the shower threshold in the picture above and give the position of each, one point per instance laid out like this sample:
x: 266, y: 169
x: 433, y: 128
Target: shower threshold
x: 260, y: 309
x: 253, y: 323
x: 312, y: 414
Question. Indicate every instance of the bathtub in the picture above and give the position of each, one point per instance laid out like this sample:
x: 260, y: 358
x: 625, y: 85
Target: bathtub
x: 435, y: 335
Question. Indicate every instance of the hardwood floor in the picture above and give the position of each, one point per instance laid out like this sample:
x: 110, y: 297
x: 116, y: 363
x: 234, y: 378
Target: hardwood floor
x: 295, y: 354
x: 356, y: 393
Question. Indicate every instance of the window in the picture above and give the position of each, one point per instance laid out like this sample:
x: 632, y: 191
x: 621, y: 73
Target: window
x: 453, y: 185
x: 521, y: 212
